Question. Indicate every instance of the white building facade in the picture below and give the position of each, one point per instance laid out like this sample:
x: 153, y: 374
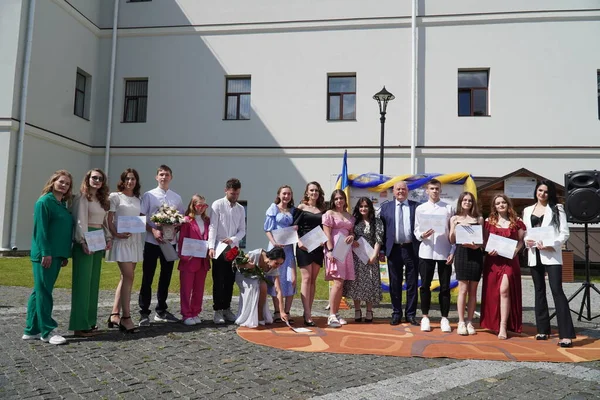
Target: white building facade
x: 273, y: 93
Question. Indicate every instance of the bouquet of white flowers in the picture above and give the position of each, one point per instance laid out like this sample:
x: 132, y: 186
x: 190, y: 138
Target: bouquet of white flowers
x: 166, y: 217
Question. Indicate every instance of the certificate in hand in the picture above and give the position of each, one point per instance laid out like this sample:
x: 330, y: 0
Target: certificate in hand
x: 95, y: 240
x: 287, y: 235
x: 544, y: 234
x: 220, y: 247
x: 504, y: 246
x: 313, y: 239
x: 432, y: 221
x: 469, y: 234
x: 194, y: 247
x: 364, y: 251
x: 341, y: 248
x: 135, y: 224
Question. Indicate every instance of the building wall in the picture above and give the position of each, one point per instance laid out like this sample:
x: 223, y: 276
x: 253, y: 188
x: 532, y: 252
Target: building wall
x: 541, y: 55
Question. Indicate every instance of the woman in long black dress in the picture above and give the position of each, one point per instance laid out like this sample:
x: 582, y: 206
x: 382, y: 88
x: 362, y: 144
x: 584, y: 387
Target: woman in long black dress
x: 307, y: 216
x: 468, y: 262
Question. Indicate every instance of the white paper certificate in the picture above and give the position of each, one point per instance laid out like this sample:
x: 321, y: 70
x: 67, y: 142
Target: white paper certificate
x: 220, y: 247
x: 504, y: 246
x: 194, y: 247
x: 298, y: 330
x: 544, y: 234
x: 131, y: 224
x: 436, y: 222
x: 341, y: 248
x: 287, y: 235
x: 364, y: 251
x: 95, y: 240
x: 313, y: 239
x: 469, y: 234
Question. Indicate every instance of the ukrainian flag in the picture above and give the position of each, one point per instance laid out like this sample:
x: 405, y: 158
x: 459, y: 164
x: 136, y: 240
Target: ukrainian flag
x: 344, y: 181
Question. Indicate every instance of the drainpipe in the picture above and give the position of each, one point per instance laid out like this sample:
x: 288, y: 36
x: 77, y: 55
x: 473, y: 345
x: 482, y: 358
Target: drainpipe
x: 111, y: 87
x: 21, y: 135
x: 413, y: 103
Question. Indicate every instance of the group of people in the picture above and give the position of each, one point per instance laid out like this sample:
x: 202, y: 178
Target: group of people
x: 400, y: 232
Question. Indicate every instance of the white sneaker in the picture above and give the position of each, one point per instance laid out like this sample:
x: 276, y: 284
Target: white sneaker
x: 445, y: 325
x: 471, y: 329
x: 341, y: 320
x: 189, y: 321
x: 333, y: 322
x: 228, y: 315
x: 197, y: 319
x: 462, y: 329
x: 54, y: 338
x: 425, y: 325
x: 218, y: 318
x: 31, y: 337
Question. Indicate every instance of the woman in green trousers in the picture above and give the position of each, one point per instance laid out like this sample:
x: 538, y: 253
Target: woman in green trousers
x: 50, y: 250
x: 89, y: 211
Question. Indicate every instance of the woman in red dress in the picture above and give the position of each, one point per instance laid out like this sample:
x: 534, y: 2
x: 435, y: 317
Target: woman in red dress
x: 501, y: 303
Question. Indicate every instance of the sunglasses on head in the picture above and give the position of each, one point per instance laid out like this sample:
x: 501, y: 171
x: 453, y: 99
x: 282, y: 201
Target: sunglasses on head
x: 97, y: 178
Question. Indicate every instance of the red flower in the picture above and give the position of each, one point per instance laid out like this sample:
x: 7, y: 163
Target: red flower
x: 232, y: 254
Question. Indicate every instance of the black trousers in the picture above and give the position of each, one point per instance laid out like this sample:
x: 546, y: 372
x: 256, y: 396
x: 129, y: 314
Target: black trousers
x: 152, y: 253
x: 223, y: 281
x: 403, y: 259
x: 426, y: 270
x: 563, y: 313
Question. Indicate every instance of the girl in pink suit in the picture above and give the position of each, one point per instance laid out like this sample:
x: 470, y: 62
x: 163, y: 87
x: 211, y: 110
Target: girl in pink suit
x: 193, y: 270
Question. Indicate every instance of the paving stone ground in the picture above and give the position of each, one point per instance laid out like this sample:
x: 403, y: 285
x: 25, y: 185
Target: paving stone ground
x: 208, y: 361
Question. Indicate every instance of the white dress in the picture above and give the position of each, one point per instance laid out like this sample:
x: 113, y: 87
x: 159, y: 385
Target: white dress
x: 249, y: 292
x: 132, y: 248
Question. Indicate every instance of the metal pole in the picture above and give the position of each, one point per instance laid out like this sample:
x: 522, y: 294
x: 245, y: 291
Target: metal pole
x: 382, y: 119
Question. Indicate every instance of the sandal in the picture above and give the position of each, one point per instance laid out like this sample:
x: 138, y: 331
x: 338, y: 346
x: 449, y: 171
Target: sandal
x: 358, y: 315
x: 541, y: 336
x: 290, y: 319
x: 369, y: 317
x: 123, y: 329
x: 110, y: 322
x: 277, y: 317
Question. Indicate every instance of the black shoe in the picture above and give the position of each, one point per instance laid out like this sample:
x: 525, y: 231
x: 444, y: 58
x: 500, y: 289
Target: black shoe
x: 309, y: 323
x: 566, y: 344
x: 395, y: 320
x: 125, y: 330
x: 412, y: 320
x: 165, y: 316
x: 110, y: 323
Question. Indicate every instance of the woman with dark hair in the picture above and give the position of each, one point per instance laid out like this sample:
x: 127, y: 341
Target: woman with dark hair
x: 337, y: 222
x: 307, y: 216
x: 127, y: 249
x: 254, y: 310
x: 50, y: 250
x: 280, y: 215
x: 501, y: 302
x: 547, y: 257
x: 468, y: 261
x: 90, y: 207
x: 366, y: 285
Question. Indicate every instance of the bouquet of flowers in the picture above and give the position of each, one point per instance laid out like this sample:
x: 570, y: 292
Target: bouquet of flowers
x: 239, y: 259
x: 166, y: 217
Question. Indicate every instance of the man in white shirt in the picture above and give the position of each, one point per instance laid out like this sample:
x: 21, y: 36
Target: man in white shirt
x: 227, y: 226
x: 151, y: 201
x: 432, y: 228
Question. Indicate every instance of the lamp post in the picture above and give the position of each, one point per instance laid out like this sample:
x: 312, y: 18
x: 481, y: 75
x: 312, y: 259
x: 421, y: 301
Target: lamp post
x: 382, y: 97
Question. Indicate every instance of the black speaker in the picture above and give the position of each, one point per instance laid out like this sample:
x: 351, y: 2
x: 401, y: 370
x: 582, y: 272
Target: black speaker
x: 582, y: 197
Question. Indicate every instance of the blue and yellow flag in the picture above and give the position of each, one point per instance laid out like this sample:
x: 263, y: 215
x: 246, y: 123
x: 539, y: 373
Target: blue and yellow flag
x: 345, y: 182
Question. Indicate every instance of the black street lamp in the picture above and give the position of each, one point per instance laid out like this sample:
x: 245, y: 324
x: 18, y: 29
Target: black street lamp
x: 382, y: 99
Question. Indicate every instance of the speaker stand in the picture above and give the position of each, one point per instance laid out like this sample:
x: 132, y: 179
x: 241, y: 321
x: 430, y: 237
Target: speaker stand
x: 586, y: 287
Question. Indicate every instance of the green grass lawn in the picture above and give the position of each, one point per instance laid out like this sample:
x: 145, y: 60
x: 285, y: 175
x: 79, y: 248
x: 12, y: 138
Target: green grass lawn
x: 17, y: 272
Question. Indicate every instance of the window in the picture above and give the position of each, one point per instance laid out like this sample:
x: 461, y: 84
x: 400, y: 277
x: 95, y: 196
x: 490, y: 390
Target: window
x: 81, y: 104
x: 237, y: 98
x: 598, y: 94
x: 136, y: 100
x: 341, y: 97
x: 473, y: 93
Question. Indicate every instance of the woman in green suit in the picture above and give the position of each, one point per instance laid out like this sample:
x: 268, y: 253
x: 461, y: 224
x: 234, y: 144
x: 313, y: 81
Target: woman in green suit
x: 50, y: 250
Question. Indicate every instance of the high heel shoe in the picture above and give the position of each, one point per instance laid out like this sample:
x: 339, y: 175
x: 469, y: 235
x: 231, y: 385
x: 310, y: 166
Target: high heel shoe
x: 358, y: 315
x: 308, y: 323
x: 369, y: 317
x: 123, y: 329
x: 110, y: 322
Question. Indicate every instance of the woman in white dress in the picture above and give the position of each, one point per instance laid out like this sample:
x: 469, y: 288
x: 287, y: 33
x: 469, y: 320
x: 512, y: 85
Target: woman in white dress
x: 253, y: 290
x: 128, y: 248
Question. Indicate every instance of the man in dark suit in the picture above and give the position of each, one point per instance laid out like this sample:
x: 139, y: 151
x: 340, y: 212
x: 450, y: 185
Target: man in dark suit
x: 401, y: 250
